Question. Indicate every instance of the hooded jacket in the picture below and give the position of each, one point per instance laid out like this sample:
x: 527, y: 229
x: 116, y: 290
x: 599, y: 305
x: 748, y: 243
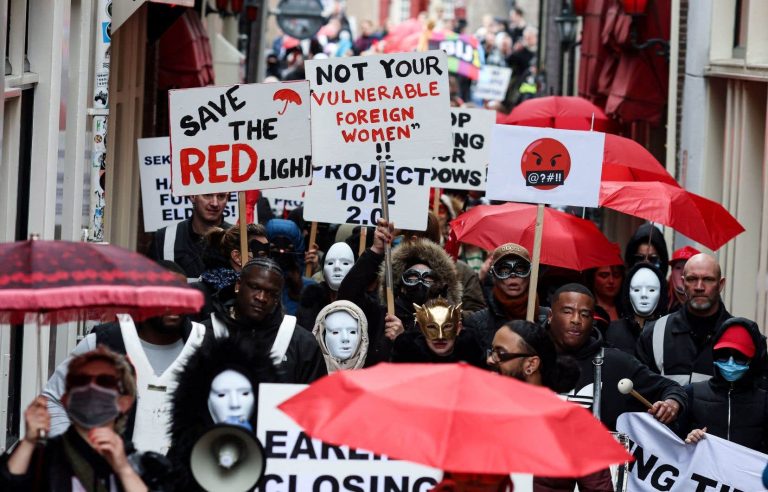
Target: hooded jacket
x: 624, y: 332
x: 735, y: 411
x: 187, y: 249
x: 656, y: 239
x: 369, y: 268
x: 292, y: 262
x: 357, y: 359
x: 618, y: 365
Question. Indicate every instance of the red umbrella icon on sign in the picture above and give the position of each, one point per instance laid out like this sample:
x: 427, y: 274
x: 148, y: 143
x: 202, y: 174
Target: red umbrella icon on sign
x: 287, y: 95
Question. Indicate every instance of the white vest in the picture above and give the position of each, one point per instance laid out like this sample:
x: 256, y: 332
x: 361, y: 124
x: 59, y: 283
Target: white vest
x: 151, y: 431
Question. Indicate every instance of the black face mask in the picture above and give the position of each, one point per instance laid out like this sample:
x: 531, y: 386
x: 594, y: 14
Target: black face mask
x: 417, y: 294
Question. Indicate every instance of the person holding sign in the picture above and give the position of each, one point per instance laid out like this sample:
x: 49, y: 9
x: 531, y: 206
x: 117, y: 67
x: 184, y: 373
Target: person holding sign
x: 510, y: 271
x: 182, y: 243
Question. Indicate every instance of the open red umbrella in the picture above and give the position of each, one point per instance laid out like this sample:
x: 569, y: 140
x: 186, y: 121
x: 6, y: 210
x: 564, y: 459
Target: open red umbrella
x: 457, y: 418
x: 626, y: 160
x: 64, y: 281
x: 567, y: 241
x: 394, y: 41
x: 564, y: 112
x: 697, y: 217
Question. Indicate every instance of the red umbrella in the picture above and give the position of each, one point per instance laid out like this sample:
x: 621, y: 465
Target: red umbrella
x: 626, y: 160
x: 395, y: 37
x: 564, y: 112
x: 567, y: 241
x: 697, y: 217
x: 64, y: 281
x: 457, y: 418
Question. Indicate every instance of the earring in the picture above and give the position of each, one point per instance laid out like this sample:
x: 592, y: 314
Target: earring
x: 528, y: 372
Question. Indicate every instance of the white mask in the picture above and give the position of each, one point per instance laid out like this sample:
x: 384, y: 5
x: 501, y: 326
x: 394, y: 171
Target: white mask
x: 337, y: 263
x: 231, y: 399
x: 342, y: 335
x: 644, y: 291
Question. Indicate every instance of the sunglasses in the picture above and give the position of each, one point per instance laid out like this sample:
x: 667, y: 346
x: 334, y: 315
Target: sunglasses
x: 511, y: 268
x: 498, y: 356
x: 104, y: 380
x: 258, y: 249
x: 652, y: 259
x: 722, y: 355
x: 413, y: 277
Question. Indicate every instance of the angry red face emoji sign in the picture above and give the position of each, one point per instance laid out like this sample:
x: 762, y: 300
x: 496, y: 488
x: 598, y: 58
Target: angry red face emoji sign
x: 545, y: 164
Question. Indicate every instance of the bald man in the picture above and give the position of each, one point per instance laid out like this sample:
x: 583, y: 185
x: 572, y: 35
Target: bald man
x: 679, y: 345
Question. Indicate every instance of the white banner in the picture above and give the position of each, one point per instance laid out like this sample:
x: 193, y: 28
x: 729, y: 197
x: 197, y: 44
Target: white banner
x: 350, y: 194
x: 493, y: 83
x: 283, y: 200
x: 665, y: 463
x: 243, y: 137
x: 160, y: 207
x: 379, y: 108
x: 544, y: 165
x: 297, y: 463
x: 466, y: 167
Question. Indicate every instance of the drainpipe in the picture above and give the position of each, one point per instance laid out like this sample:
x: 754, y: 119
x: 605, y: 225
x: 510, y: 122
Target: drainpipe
x: 674, y: 54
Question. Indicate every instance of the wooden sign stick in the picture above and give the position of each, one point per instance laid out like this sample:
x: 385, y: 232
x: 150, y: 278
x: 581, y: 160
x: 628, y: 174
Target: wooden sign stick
x: 387, y: 247
x: 363, y: 240
x: 535, y: 264
x: 436, y: 202
x: 241, y: 207
x: 312, y: 239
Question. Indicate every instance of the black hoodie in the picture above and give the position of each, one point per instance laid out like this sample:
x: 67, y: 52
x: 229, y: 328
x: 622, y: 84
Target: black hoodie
x: 735, y: 411
x: 618, y: 365
x: 641, y: 236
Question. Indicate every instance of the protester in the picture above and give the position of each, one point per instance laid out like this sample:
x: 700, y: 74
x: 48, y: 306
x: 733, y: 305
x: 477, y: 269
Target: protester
x: 605, y: 283
x: 341, y: 331
x: 642, y: 297
x: 337, y: 263
x: 156, y: 347
x: 730, y: 405
x: 202, y: 399
x: 421, y: 270
x: 90, y: 455
x: 570, y: 326
x: 524, y: 351
x: 257, y: 316
x: 647, y: 244
x: 286, y: 245
x: 510, y: 271
x: 676, y: 286
x: 517, y: 24
x: 679, y: 345
x: 182, y: 242
x: 440, y: 337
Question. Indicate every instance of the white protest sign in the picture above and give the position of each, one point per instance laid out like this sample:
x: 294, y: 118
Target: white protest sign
x: 544, y: 165
x: 350, y: 194
x: 243, y: 137
x: 465, y: 168
x: 379, y: 108
x: 160, y: 207
x: 663, y: 462
x: 283, y: 200
x: 493, y: 83
x: 296, y: 462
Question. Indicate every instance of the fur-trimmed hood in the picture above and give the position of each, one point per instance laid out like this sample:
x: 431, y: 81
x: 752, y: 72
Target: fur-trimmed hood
x: 424, y: 251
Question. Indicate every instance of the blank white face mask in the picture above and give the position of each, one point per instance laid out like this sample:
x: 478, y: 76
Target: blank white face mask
x: 644, y: 291
x: 342, y: 335
x: 337, y: 263
x: 231, y: 398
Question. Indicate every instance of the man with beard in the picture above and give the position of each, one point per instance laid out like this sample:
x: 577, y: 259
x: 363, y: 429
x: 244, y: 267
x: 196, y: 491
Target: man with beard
x: 510, y: 270
x: 421, y: 270
x: 570, y: 326
x: 255, y: 314
x: 156, y: 347
x: 679, y: 345
x: 182, y: 242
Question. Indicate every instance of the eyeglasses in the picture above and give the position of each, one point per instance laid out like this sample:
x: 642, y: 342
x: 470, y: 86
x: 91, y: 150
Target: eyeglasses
x: 497, y: 356
x: 104, y: 380
x: 413, y: 277
x: 508, y: 268
x: 722, y: 355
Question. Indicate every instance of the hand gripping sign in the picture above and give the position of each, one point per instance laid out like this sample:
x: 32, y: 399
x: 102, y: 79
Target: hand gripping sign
x: 242, y: 137
x: 379, y: 108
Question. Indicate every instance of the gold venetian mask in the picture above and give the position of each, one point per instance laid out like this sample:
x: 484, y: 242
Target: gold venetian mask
x: 438, y: 319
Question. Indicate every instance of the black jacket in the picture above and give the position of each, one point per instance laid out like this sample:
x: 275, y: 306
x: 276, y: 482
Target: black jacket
x: 735, y: 411
x: 303, y: 361
x: 618, y: 365
x: 314, y: 298
x: 411, y: 346
x: 622, y: 334
x: 484, y: 323
x: 688, y: 342
x: 187, y: 250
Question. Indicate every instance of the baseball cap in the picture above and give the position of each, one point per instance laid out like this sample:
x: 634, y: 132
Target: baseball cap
x: 738, y: 338
x: 683, y: 253
x: 510, y: 249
